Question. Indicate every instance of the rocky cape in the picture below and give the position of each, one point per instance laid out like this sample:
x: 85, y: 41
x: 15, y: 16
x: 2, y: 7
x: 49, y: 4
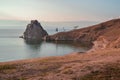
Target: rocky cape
x: 100, y: 36
x: 34, y: 31
x: 103, y: 35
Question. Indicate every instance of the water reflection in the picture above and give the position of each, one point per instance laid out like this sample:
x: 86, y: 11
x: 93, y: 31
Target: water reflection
x: 32, y: 48
x: 43, y: 49
x: 16, y: 49
x: 71, y: 44
x: 29, y: 41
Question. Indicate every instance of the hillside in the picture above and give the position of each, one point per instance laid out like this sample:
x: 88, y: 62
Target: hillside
x: 106, y: 32
x: 100, y: 65
x: 95, y: 64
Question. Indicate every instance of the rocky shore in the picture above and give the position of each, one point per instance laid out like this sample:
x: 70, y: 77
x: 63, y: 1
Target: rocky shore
x: 102, y: 62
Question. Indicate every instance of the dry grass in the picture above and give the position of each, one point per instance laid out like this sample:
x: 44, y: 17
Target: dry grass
x: 7, y: 67
x: 111, y: 72
x: 100, y: 65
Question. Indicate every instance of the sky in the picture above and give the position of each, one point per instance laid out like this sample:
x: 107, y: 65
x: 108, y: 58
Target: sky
x: 59, y: 10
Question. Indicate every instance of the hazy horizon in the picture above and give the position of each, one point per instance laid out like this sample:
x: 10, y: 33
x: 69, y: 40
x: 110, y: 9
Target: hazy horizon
x: 57, y: 13
x: 18, y: 24
x: 59, y: 10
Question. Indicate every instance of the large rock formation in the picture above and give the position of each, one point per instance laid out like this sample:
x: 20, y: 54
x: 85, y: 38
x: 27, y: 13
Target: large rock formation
x: 103, y: 35
x: 34, y: 31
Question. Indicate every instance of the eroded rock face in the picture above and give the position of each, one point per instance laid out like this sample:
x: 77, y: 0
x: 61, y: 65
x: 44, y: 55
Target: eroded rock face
x: 34, y: 31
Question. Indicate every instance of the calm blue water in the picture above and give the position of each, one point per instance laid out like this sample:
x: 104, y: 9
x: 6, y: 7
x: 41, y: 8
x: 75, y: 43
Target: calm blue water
x: 14, y: 48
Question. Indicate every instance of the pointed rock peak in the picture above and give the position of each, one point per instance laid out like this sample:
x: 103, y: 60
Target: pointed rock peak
x: 34, y: 22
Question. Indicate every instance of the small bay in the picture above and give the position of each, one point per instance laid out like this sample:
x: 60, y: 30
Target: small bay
x: 14, y: 48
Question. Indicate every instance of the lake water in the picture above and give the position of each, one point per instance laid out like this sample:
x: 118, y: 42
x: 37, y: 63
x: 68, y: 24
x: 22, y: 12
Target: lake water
x: 14, y: 48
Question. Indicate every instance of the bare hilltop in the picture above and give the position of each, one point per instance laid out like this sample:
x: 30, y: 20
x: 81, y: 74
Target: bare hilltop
x: 101, y: 62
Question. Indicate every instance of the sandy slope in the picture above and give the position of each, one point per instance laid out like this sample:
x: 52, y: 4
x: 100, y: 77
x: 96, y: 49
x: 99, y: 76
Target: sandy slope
x: 102, y: 65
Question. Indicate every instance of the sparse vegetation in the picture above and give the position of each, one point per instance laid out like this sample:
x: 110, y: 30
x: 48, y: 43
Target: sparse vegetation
x: 22, y: 78
x: 92, y: 66
x: 6, y: 67
x: 109, y: 73
x: 67, y: 71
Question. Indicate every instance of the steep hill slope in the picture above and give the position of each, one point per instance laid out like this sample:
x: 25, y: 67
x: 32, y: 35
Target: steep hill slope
x: 105, y: 34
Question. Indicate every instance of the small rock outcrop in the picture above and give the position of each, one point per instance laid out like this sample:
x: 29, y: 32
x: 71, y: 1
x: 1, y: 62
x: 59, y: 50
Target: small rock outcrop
x: 34, y: 31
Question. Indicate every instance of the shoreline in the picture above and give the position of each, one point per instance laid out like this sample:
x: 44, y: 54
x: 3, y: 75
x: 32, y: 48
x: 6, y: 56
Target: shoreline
x: 49, y: 57
x: 101, y: 62
x: 74, y: 65
x: 41, y: 58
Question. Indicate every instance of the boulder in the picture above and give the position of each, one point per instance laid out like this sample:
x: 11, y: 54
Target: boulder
x: 34, y: 31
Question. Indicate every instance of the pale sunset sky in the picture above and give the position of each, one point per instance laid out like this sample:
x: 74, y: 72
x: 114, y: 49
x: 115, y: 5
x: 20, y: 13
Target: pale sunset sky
x: 59, y: 10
